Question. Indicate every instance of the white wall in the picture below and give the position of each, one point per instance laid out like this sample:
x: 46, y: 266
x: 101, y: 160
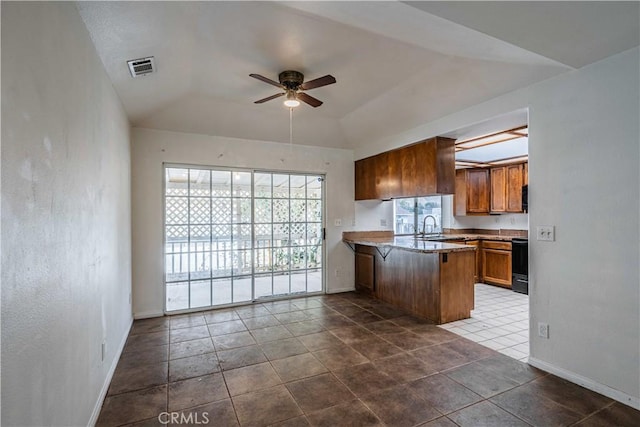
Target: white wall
x: 584, y: 152
x: 66, y: 241
x: 373, y: 215
x: 584, y: 157
x: 150, y: 148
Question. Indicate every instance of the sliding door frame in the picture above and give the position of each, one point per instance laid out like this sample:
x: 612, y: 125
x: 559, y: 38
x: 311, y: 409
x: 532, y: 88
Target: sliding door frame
x: 252, y: 171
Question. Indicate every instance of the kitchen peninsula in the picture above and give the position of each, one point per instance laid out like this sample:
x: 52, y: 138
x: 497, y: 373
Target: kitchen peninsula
x: 429, y: 279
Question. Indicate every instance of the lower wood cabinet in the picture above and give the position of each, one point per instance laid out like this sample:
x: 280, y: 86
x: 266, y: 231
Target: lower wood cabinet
x: 496, y: 263
x: 434, y: 286
x: 365, y: 261
x: 477, y: 277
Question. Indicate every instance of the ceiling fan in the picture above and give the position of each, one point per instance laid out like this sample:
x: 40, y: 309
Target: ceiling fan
x: 293, y: 84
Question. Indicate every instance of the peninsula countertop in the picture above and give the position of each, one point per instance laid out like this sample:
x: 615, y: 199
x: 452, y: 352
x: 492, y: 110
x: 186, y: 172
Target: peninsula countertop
x: 407, y: 243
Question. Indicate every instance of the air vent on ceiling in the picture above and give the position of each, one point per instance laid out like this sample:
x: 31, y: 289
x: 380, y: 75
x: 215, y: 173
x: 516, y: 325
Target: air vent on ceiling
x: 141, y: 67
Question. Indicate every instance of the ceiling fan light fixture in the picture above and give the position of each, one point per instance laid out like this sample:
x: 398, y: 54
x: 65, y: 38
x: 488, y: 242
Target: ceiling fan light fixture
x: 291, y: 100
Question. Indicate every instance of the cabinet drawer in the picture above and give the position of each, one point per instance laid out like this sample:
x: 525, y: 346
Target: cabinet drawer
x: 494, y: 244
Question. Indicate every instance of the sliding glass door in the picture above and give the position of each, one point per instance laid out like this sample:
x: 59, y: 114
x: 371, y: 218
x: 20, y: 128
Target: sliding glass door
x: 234, y: 236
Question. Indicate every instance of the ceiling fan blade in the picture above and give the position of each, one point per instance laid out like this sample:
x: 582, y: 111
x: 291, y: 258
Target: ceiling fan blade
x: 269, y: 98
x: 319, y: 82
x: 266, y: 80
x: 308, y: 99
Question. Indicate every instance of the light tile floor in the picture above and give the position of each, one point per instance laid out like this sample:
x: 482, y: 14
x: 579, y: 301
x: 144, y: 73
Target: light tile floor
x: 500, y: 321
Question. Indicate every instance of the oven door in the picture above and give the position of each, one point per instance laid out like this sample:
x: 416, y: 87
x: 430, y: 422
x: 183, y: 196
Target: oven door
x: 520, y: 257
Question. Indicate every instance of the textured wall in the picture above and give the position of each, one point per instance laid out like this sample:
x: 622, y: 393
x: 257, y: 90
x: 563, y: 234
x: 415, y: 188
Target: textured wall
x: 584, y: 152
x: 65, y: 219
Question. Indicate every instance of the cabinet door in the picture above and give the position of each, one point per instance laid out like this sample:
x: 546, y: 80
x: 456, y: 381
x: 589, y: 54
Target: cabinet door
x: 372, y: 178
x: 496, y: 267
x: 365, y: 179
x: 478, y: 265
x: 525, y: 174
x: 477, y: 191
x: 394, y: 183
x: 498, y: 189
x: 514, y: 188
x: 365, y: 271
x: 381, y: 166
x: 416, y: 175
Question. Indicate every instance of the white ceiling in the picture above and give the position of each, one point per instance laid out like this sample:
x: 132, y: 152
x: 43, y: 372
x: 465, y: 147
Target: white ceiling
x: 397, y: 65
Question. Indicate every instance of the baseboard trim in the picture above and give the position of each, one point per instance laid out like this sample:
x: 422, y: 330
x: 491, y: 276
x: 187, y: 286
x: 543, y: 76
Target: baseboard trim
x: 588, y: 383
x: 338, y: 291
x: 107, y: 382
x: 147, y: 315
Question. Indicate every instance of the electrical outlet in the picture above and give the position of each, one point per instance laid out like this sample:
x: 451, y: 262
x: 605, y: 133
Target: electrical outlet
x: 337, y: 272
x: 543, y: 330
x: 546, y: 233
x: 383, y: 222
x: 103, y: 350
x: 337, y: 223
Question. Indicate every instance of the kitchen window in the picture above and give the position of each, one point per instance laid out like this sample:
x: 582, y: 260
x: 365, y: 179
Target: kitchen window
x: 409, y: 214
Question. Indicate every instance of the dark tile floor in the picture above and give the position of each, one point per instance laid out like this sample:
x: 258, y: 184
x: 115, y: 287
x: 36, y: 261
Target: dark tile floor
x: 335, y: 360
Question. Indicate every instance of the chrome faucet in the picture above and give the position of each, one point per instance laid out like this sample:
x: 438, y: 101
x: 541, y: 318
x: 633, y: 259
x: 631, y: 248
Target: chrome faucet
x: 424, y: 224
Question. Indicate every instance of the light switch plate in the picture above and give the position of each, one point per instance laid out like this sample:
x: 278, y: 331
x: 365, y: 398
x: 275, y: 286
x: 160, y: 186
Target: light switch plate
x: 546, y: 233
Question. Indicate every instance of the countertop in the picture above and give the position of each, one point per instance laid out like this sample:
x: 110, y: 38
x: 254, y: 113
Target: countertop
x: 474, y: 236
x: 386, y: 239
x: 409, y: 243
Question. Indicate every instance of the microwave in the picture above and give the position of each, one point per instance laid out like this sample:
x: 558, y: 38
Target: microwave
x: 525, y: 198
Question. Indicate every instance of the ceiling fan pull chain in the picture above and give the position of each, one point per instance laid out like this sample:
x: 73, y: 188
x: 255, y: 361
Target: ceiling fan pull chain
x: 291, y: 129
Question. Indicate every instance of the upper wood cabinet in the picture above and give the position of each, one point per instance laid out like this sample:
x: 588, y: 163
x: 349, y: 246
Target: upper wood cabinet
x: 420, y: 169
x: 366, y: 187
x: 371, y: 177
x: 506, y: 188
x: 498, y: 189
x: 514, y: 187
x: 472, y: 192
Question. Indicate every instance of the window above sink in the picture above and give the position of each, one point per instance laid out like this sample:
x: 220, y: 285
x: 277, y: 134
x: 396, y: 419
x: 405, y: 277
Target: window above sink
x: 409, y: 215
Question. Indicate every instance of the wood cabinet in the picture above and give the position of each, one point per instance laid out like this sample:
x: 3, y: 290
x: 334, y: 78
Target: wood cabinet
x: 435, y: 286
x: 525, y: 174
x: 498, y: 178
x: 506, y: 188
x: 420, y: 169
x: 472, y: 192
x: 365, y: 268
x: 496, y: 263
x: 370, y: 174
x: 477, y: 277
x: 514, y: 187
